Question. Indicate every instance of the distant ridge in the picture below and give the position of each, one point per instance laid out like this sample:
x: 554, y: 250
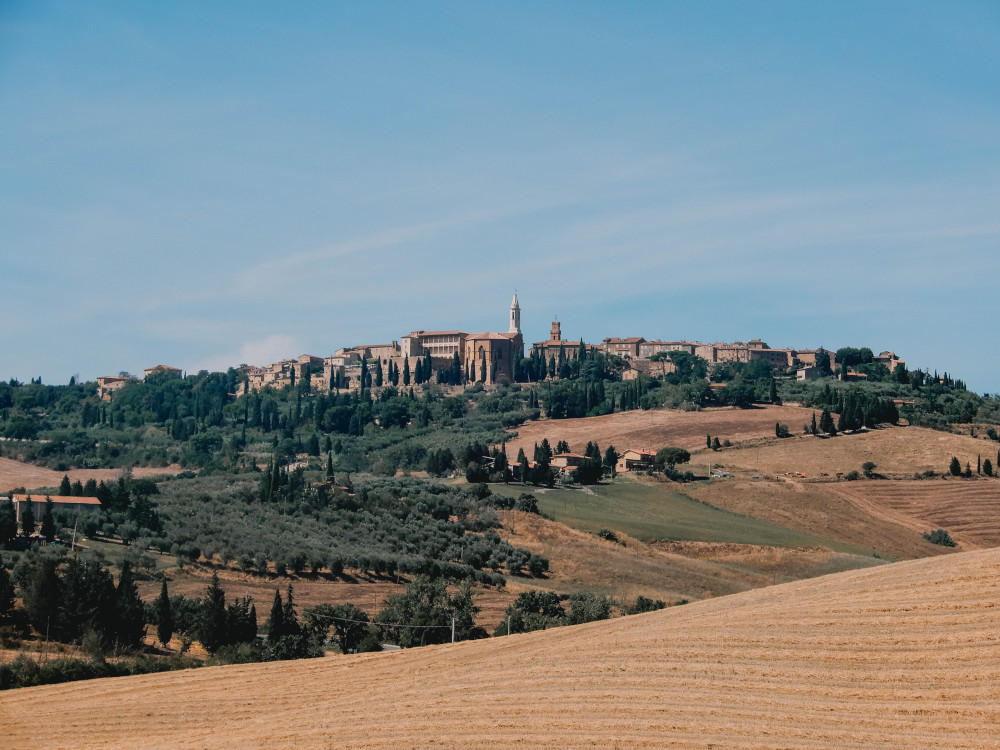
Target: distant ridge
x: 900, y: 656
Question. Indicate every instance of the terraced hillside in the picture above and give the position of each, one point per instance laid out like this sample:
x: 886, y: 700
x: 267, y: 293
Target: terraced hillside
x: 900, y: 656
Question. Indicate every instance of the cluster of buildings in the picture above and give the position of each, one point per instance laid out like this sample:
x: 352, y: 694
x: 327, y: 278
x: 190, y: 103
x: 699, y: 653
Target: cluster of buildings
x: 110, y: 383
x: 490, y: 357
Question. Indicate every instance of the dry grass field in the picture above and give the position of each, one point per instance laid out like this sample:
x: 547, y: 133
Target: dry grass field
x: 821, y: 509
x: 898, y: 452
x: 900, y: 656
x: 18, y: 474
x: 656, y: 429
x: 667, y: 571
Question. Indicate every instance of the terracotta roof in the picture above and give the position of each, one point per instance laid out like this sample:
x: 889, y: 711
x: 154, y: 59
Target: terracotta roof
x: 56, y: 499
x: 435, y: 333
x: 490, y: 336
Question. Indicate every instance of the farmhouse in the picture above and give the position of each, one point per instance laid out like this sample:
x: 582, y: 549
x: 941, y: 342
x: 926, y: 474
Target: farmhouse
x: 565, y: 462
x: 635, y: 459
x: 59, y: 502
x: 109, y: 384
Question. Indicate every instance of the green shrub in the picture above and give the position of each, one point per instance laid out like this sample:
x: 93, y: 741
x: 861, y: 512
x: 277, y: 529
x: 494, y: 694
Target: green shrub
x: 940, y: 537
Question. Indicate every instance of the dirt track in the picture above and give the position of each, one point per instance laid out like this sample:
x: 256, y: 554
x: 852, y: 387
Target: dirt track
x: 900, y: 656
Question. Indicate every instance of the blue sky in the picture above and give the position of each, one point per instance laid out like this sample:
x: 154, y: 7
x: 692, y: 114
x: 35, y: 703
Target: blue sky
x: 204, y: 184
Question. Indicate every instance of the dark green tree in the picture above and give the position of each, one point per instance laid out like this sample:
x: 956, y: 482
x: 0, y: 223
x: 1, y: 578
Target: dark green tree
x: 406, y: 371
x: 131, y: 625
x: 955, y: 468
x: 65, y: 488
x: 8, y: 521
x: 28, y: 518
x: 611, y: 460
x: 164, y: 616
x: 6, y: 596
x: 988, y: 467
x: 48, y: 521
x: 213, y: 631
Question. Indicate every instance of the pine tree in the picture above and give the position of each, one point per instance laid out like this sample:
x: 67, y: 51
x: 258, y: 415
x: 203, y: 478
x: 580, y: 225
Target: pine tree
x: 164, y: 616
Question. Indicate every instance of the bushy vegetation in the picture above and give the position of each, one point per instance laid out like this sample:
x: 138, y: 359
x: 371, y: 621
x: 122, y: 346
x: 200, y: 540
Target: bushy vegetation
x: 940, y: 537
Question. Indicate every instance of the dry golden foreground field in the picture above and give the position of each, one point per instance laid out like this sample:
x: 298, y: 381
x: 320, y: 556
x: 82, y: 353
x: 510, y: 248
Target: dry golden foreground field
x: 656, y: 429
x: 900, y: 656
x: 15, y: 474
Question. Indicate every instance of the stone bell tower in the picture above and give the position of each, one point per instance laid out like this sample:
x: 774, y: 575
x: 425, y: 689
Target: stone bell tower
x: 515, y: 316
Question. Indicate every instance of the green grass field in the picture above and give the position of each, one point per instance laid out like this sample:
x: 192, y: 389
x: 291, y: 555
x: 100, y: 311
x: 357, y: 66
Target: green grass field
x: 653, y: 513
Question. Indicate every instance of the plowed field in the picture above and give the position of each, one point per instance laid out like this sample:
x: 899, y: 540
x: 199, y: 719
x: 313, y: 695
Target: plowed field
x: 900, y: 656
x: 968, y: 509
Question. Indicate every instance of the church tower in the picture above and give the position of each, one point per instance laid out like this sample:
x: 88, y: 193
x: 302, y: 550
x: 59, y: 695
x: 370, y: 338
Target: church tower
x: 515, y: 316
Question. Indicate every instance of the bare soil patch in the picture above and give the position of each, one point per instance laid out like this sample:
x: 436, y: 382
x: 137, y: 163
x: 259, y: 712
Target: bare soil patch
x: 655, y: 429
x: 19, y: 474
x: 900, y: 656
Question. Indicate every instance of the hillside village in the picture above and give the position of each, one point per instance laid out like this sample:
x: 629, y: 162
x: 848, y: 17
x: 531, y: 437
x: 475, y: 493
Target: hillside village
x: 456, y: 357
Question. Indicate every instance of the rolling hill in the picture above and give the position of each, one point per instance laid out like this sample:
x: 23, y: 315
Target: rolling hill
x: 899, y: 656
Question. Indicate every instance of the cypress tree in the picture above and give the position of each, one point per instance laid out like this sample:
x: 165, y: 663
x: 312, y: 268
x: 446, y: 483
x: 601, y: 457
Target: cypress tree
x: 28, y: 518
x: 406, y: 371
x: 276, y: 622
x: 955, y: 468
x: 131, y: 625
x: 6, y: 595
x: 48, y: 522
x: 213, y: 630
x: 65, y: 488
x: 164, y: 616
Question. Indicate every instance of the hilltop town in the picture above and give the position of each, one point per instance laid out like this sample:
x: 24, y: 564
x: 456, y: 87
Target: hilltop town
x: 456, y: 357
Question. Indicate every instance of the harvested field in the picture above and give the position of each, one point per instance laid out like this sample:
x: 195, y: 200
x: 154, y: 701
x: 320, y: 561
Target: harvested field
x: 900, y: 656
x: 820, y: 509
x: 898, y: 453
x: 656, y: 429
x: 18, y: 474
x: 968, y: 509
x: 670, y: 571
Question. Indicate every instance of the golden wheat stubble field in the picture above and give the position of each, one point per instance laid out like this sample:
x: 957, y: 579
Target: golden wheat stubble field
x: 900, y: 656
x: 659, y: 428
x: 15, y: 474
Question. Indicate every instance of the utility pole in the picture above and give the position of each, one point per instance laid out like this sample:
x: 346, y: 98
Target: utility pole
x: 508, y: 625
x: 452, y: 628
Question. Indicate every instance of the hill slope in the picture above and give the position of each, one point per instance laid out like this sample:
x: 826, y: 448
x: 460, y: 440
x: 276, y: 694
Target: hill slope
x: 900, y: 656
